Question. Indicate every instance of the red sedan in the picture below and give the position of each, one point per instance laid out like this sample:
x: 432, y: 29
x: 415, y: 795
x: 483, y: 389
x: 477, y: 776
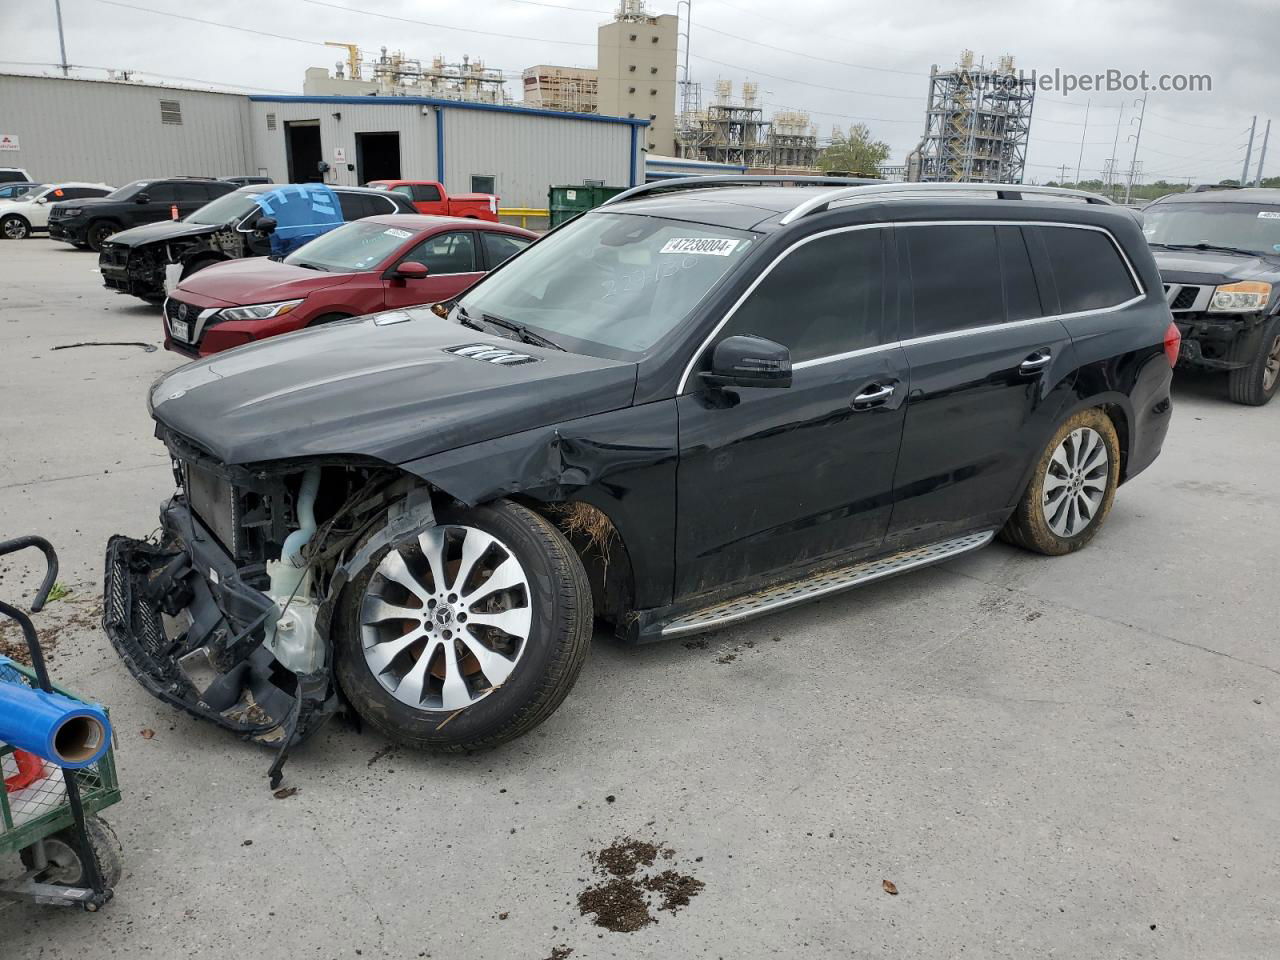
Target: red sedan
x: 378, y: 263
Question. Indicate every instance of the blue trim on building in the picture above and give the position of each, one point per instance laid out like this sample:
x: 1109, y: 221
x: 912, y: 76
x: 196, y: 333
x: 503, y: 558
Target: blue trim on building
x: 634, y: 159
x: 440, y: 145
x: 454, y: 104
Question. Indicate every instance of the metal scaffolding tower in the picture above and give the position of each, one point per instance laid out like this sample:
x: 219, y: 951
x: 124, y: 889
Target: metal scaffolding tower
x: 977, y: 123
x: 728, y: 131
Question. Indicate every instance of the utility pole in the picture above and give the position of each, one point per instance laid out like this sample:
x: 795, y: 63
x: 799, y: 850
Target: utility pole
x: 1136, y: 141
x: 1115, y: 155
x: 1080, y: 158
x: 1248, y: 152
x: 62, y: 43
x: 1262, y: 155
x: 1062, y: 174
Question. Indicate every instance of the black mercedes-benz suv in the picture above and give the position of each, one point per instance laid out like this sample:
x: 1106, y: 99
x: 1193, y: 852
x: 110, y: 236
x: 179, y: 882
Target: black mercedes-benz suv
x: 701, y: 402
x: 87, y: 223
x: 1219, y: 254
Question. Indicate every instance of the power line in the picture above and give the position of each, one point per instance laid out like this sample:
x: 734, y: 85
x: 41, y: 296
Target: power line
x: 445, y: 26
x: 209, y: 23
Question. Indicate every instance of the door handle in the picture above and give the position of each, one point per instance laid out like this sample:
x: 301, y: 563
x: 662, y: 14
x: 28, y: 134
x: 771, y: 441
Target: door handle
x: 873, y: 396
x: 1036, y: 362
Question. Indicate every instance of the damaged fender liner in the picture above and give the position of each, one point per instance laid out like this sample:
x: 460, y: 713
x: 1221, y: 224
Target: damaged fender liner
x: 222, y: 642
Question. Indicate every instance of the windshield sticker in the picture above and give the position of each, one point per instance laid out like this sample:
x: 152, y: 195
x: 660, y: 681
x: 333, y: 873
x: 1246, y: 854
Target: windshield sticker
x: 707, y: 246
x: 1269, y: 215
x: 399, y: 234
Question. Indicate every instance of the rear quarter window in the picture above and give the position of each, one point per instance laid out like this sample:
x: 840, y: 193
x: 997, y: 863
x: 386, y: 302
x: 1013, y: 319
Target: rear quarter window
x: 1087, y: 269
x: 955, y: 277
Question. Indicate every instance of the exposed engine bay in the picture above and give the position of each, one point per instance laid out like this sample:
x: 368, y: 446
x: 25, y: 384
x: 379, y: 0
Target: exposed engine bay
x: 227, y: 613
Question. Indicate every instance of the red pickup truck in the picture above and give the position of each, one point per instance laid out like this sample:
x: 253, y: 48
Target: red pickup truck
x: 430, y: 197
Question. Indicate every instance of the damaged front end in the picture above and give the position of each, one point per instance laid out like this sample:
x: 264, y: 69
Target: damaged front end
x: 226, y: 613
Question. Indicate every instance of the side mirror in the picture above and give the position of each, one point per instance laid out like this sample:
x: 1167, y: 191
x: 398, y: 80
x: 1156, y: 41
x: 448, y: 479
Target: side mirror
x: 265, y: 225
x: 40, y: 199
x: 412, y: 270
x: 142, y: 198
x: 746, y: 361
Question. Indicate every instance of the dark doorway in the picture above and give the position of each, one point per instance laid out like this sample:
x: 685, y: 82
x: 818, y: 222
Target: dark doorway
x: 377, y: 156
x: 302, y: 145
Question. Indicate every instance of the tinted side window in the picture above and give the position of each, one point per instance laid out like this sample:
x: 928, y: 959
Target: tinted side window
x: 379, y: 205
x: 161, y: 192
x: 403, y: 189
x: 426, y: 192
x: 501, y: 246
x: 1087, y: 269
x: 446, y: 253
x: 1021, y: 297
x: 354, y: 205
x: 823, y: 298
x: 955, y: 278
x: 192, y: 192
x: 216, y: 190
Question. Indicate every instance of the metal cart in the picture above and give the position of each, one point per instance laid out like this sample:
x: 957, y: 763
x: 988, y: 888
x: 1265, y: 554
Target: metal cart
x: 48, y: 816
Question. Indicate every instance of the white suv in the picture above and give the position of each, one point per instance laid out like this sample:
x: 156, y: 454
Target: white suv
x: 30, y: 212
x: 14, y: 175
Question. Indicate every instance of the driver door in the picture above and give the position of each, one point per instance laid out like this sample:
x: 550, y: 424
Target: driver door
x: 453, y: 264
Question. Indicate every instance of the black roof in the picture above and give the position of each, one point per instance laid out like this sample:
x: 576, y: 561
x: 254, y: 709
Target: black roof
x: 761, y: 208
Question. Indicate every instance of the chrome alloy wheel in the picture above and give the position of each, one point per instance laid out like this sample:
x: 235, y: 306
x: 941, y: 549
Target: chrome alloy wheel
x: 445, y: 621
x: 1271, y: 369
x: 14, y: 229
x: 1075, y: 482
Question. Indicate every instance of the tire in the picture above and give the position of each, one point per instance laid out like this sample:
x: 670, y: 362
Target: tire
x: 97, y: 232
x: 1255, y: 384
x: 426, y: 708
x: 66, y: 857
x: 14, y: 227
x: 328, y: 318
x: 195, y: 266
x: 1070, y: 460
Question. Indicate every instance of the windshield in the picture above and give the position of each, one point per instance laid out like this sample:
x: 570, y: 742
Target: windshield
x: 352, y: 247
x: 616, y: 280
x: 1247, y: 226
x: 228, y: 208
x: 127, y: 191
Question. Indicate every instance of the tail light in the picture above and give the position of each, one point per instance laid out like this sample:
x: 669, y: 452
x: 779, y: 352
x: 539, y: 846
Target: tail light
x: 1172, y: 344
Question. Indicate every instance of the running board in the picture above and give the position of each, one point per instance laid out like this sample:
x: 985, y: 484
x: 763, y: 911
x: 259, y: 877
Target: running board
x: 833, y: 581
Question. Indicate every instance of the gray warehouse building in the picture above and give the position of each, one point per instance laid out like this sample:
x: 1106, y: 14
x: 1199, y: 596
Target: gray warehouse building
x: 115, y: 132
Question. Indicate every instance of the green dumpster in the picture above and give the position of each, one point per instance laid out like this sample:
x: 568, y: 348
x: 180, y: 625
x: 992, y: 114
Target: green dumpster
x: 567, y: 202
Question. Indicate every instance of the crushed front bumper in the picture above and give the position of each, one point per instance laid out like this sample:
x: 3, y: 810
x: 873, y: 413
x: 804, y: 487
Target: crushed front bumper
x: 192, y: 633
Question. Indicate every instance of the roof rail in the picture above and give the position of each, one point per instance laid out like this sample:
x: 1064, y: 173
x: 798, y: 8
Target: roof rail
x: 699, y: 183
x: 881, y: 190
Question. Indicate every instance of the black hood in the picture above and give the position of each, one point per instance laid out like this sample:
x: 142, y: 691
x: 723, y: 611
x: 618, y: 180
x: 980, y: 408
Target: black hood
x: 162, y: 232
x: 84, y: 202
x: 1214, y: 266
x: 389, y: 386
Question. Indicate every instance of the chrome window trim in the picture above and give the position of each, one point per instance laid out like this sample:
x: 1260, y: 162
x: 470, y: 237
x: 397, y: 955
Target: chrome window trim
x: 951, y: 334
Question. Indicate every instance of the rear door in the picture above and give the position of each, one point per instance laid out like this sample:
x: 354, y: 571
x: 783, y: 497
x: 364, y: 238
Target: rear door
x: 989, y: 372
x: 426, y: 197
x: 453, y: 263
x: 779, y: 477
x: 498, y: 247
x: 191, y: 197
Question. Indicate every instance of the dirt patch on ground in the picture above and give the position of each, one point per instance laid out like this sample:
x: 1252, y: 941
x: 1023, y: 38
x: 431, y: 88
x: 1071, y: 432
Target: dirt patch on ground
x: 57, y: 621
x: 631, y: 891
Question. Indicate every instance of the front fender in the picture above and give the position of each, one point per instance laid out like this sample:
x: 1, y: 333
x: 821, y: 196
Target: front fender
x: 622, y: 462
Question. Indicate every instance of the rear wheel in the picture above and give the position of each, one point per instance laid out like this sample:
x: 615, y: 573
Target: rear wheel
x: 98, y: 232
x: 14, y: 227
x: 468, y: 635
x: 1255, y: 383
x: 1072, y: 487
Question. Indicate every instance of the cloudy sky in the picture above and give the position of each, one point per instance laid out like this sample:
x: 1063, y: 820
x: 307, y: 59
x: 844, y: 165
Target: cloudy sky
x: 841, y: 60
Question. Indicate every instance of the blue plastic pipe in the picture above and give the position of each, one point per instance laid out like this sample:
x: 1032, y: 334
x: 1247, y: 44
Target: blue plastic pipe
x: 58, y: 729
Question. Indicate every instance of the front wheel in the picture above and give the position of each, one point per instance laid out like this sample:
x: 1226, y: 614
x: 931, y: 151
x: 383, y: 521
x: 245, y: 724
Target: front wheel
x: 1255, y: 383
x: 65, y: 857
x: 14, y: 227
x: 1072, y: 487
x: 469, y: 634
x: 98, y: 233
